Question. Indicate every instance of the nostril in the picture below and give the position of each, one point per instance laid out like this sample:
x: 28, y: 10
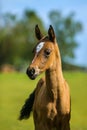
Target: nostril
x: 30, y: 71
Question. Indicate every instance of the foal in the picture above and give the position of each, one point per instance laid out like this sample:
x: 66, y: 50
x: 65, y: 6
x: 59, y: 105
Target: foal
x: 51, y: 98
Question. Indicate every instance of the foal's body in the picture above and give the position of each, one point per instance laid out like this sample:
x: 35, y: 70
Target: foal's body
x: 51, y: 107
x: 52, y: 101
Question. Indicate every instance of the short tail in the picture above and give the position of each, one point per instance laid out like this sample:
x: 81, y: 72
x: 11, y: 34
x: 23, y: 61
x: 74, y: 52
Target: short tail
x: 27, y: 107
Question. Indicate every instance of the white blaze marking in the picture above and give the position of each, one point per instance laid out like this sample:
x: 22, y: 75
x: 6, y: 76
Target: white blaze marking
x: 39, y: 46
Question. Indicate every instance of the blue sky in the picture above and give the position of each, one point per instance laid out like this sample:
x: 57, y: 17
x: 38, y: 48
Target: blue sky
x: 44, y: 7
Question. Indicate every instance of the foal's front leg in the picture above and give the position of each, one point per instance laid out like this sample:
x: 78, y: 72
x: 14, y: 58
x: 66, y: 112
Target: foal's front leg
x: 42, y: 126
x: 66, y: 126
x: 41, y: 123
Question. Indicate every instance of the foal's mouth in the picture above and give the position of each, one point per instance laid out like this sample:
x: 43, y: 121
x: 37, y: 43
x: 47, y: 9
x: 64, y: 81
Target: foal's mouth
x: 33, y: 77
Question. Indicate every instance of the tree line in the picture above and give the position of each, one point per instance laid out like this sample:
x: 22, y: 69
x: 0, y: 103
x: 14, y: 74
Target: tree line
x: 17, y: 37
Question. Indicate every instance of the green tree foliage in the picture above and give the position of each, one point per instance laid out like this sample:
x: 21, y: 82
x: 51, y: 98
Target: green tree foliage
x: 17, y: 37
x: 66, y: 29
x: 6, y: 39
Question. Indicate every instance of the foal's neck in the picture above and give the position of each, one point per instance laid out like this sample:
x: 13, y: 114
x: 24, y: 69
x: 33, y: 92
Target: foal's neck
x: 54, y: 79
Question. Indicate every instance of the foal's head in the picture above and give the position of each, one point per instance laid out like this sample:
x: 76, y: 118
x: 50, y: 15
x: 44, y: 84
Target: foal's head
x: 45, y: 53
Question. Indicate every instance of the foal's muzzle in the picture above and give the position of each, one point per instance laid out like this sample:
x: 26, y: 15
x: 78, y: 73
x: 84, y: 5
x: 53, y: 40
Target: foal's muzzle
x: 31, y: 73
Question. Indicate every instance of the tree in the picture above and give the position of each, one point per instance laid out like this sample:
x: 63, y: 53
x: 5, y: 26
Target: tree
x: 17, y: 38
x: 66, y: 29
x: 6, y: 38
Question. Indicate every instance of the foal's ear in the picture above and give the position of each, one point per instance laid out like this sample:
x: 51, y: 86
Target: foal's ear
x: 38, y: 33
x: 51, y: 33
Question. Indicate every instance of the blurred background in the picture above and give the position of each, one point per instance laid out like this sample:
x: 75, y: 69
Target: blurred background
x: 17, y: 39
x: 17, y: 22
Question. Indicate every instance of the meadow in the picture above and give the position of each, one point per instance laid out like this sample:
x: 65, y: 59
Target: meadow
x: 16, y: 87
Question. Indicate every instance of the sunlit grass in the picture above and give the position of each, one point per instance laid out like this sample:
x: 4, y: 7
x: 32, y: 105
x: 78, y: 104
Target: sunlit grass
x: 78, y: 88
x: 15, y: 88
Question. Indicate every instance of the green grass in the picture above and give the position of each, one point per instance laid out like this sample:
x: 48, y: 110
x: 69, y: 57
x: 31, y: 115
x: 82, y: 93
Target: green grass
x: 15, y: 88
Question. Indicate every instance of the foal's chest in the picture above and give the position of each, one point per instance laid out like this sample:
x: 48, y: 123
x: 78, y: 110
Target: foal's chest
x: 43, y: 107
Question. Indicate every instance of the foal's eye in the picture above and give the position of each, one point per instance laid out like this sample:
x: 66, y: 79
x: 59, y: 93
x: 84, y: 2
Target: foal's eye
x: 47, y: 52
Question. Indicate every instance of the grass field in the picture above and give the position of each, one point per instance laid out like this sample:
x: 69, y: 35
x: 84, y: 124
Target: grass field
x: 15, y: 88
